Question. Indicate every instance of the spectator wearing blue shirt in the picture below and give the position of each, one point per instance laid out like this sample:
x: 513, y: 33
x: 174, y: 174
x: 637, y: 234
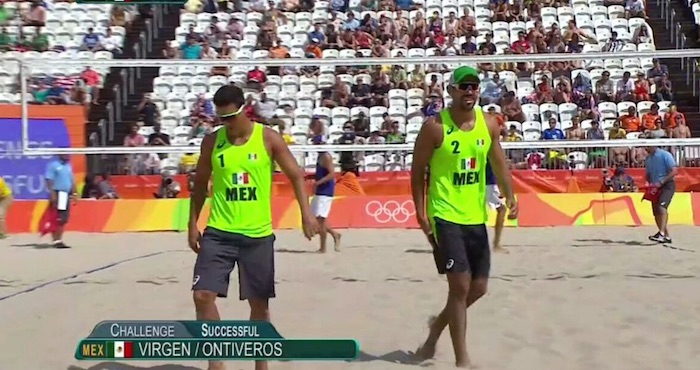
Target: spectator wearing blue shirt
x: 351, y: 23
x: 661, y: 170
x: 91, y: 41
x: 405, y: 5
x: 61, y: 186
x: 56, y: 94
x: 317, y: 34
x: 339, y: 5
x: 191, y: 50
x: 553, y: 133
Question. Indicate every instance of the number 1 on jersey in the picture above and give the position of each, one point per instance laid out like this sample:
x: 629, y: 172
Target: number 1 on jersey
x: 221, y: 160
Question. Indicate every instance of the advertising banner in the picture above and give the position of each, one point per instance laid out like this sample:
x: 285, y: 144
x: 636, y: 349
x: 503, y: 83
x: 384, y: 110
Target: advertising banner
x: 48, y: 127
x: 373, y: 212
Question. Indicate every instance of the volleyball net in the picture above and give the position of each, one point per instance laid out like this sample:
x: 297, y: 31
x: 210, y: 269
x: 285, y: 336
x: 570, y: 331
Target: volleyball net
x: 523, y: 147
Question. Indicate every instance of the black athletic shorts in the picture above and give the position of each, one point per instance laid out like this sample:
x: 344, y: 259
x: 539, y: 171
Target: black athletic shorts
x: 665, y: 196
x: 218, y: 254
x: 461, y: 248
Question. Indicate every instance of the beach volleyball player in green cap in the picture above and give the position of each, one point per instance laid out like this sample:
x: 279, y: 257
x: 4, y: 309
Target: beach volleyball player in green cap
x: 455, y: 147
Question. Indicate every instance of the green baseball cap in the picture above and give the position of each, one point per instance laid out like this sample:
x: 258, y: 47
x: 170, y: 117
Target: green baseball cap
x: 464, y: 73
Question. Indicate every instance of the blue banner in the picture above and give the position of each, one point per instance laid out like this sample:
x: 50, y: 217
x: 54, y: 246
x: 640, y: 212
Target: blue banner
x: 23, y: 173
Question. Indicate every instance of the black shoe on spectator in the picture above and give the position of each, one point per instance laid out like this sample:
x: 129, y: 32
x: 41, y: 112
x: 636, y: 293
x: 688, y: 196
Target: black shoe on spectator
x: 658, y: 238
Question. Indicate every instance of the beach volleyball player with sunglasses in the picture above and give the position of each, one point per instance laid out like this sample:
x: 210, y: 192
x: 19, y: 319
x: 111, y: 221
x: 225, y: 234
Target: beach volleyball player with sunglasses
x: 455, y: 147
x: 240, y: 159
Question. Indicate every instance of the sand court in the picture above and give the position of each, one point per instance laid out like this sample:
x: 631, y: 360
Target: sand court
x: 564, y: 298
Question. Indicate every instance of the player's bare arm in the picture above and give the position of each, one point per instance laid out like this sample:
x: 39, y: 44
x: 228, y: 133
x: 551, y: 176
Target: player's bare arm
x: 201, y: 178
x: 497, y: 159
x: 429, y: 138
x: 281, y: 154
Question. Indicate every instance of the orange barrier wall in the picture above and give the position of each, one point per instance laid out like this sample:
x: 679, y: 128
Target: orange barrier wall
x: 398, y: 183
x: 361, y: 212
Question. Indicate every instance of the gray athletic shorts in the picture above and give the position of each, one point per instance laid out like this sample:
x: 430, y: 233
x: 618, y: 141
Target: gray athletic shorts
x: 220, y: 251
x: 665, y: 196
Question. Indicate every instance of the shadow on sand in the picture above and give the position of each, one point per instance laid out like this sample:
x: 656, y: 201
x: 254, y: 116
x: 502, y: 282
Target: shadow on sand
x: 394, y: 357
x: 34, y: 245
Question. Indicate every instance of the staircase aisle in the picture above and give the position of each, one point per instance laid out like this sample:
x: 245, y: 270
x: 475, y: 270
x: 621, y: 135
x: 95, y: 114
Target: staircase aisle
x: 683, y: 93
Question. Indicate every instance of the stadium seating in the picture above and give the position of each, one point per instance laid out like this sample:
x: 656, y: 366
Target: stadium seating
x: 66, y: 25
x: 177, y: 88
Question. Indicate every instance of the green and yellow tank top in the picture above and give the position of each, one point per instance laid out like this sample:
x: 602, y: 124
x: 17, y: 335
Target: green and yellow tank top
x: 241, y: 185
x: 457, y: 183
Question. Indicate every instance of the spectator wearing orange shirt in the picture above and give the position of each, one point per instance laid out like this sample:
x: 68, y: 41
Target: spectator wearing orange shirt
x: 649, y: 119
x: 314, y: 48
x: 674, y: 117
x: 630, y: 122
x: 92, y: 82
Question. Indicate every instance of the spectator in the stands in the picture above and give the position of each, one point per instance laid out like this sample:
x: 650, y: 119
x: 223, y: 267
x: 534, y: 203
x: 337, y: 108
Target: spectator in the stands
x: 635, y: 9
x: 624, y: 88
x: 361, y: 124
x: 614, y: 45
x: 148, y: 111
x: 265, y: 107
x: 202, y: 109
x: 395, y: 136
x: 664, y: 89
x: 681, y: 129
x: 650, y: 120
x: 35, y: 15
x: 112, y: 43
x: 92, y: 83
x: 380, y: 92
x: 351, y: 23
x: 40, y: 94
x: 312, y: 70
x: 188, y: 161
x: 511, y: 108
x: 6, y: 14
x: 208, y: 52
x: 657, y: 71
x: 553, y: 132
x: 119, y: 16
x: 158, y: 137
x: 134, y: 139
x: 433, y: 105
x: 673, y: 117
x: 492, y: 90
x: 256, y: 78
x: 575, y: 132
x: 191, y: 49
x: 91, y: 41
x: 375, y: 137
x: 169, y: 52
x: 6, y: 40
x: 630, y: 122
x: 604, y: 88
x: 40, y: 41
x: 361, y: 94
x: 641, y: 35
x: 314, y: 48
x: 617, y: 132
x: 513, y: 134
x: 595, y: 132
x: 641, y: 88
x: 56, y: 94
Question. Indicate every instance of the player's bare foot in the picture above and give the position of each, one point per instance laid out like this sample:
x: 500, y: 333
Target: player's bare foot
x: 425, y: 352
x: 336, y: 242
x: 216, y: 365
x: 499, y: 249
x: 322, y: 250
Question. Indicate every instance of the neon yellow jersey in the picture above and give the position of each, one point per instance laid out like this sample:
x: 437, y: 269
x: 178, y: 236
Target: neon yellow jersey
x: 241, y: 185
x: 457, y: 184
x: 5, y: 190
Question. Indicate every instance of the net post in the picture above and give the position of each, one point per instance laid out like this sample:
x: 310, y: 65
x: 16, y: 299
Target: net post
x: 24, y: 119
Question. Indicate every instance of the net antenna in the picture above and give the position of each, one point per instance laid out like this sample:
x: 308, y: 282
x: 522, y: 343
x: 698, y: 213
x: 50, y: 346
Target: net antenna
x: 27, y: 64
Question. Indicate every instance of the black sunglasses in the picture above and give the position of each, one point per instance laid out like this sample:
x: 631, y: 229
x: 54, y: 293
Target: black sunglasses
x: 468, y: 86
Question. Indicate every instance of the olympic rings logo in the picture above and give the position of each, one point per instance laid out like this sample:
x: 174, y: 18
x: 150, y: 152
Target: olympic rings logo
x: 390, y: 211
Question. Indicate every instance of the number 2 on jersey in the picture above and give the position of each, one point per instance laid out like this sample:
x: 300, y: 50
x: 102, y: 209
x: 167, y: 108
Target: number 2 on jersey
x: 455, y: 147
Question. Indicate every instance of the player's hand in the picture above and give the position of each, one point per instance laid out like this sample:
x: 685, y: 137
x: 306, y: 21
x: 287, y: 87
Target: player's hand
x: 427, y: 230
x: 310, y: 227
x: 193, y: 238
x: 512, y: 205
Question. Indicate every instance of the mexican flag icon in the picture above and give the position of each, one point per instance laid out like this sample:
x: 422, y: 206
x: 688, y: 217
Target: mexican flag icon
x: 120, y: 350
